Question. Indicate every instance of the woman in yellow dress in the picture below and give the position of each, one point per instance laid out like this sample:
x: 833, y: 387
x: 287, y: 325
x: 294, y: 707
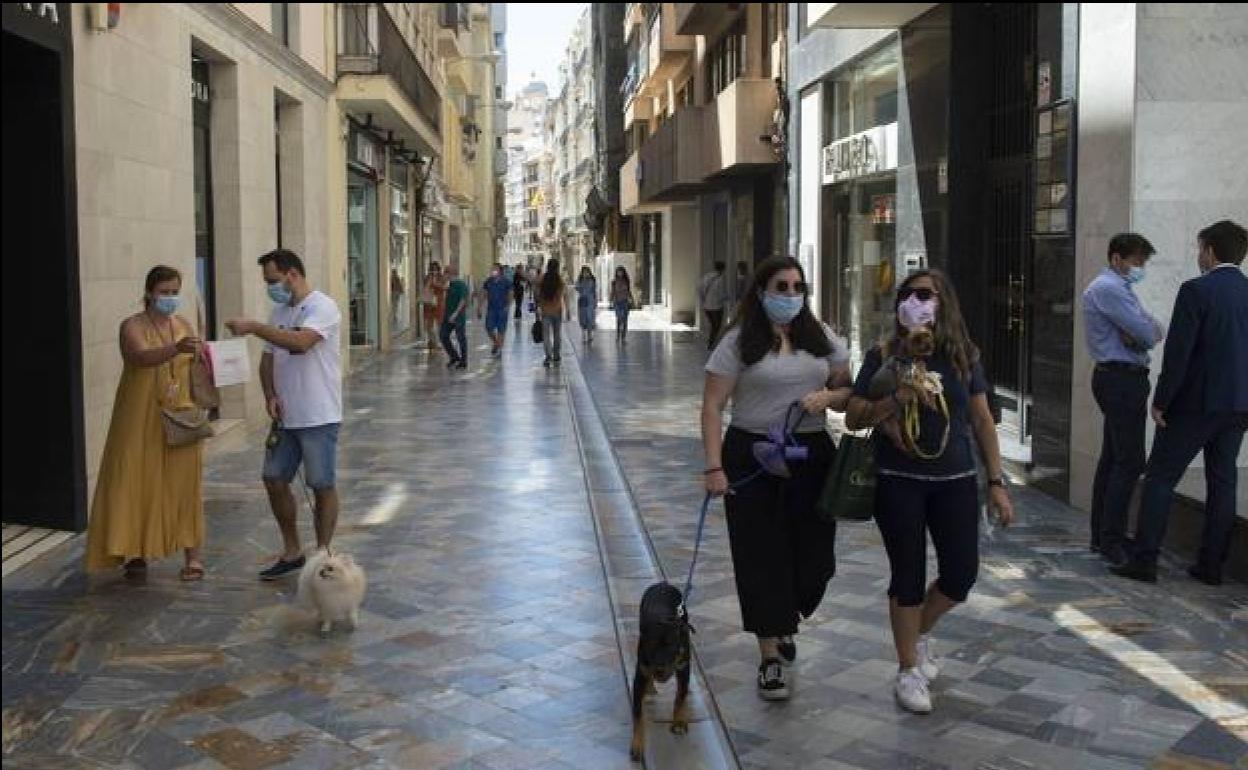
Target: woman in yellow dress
x: 148, y: 501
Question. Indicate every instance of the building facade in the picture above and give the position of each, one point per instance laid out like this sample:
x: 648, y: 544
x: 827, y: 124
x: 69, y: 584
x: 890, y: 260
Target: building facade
x: 528, y: 178
x: 1006, y: 145
x: 184, y: 134
x: 704, y: 178
x: 574, y: 148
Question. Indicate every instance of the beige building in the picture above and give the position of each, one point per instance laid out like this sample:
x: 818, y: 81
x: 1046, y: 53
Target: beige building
x: 701, y: 182
x: 202, y: 135
x: 193, y: 136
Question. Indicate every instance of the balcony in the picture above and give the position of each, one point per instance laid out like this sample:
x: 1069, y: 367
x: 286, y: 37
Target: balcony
x: 672, y: 160
x: 668, y: 51
x: 733, y: 125
x: 703, y: 18
x: 634, y: 15
x: 380, y: 75
x: 865, y: 15
x: 452, y: 29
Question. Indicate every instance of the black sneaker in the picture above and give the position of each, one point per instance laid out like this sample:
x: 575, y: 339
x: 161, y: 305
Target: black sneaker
x: 787, y: 649
x: 283, y: 568
x: 772, y: 684
x: 463, y: 364
x: 452, y: 363
x: 546, y: 363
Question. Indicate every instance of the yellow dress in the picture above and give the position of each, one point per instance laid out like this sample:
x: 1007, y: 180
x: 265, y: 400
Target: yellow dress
x: 148, y: 497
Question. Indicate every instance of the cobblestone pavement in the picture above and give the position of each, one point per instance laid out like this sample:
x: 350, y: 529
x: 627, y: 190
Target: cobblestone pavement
x: 1051, y: 664
x: 487, y: 639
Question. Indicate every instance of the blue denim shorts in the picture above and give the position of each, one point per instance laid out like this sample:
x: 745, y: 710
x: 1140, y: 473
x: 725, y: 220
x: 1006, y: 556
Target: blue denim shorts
x: 316, y: 448
x: 496, y: 320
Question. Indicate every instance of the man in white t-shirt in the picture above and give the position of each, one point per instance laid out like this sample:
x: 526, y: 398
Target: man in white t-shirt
x: 712, y: 294
x: 301, y: 372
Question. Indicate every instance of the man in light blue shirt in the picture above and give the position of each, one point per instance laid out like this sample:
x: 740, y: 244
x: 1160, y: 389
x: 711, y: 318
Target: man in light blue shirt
x: 1119, y: 334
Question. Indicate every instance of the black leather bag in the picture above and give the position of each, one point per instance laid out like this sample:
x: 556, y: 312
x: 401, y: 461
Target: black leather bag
x: 536, y: 331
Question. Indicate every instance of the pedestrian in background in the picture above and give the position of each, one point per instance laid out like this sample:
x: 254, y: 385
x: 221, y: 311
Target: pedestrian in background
x: 301, y: 374
x: 455, y: 319
x: 497, y: 291
x: 519, y: 283
x: 783, y: 556
x: 587, y: 303
x: 1201, y: 402
x: 1119, y: 334
x: 552, y: 308
x: 432, y: 298
x: 936, y: 491
x: 148, y: 497
x: 621, y: 302
x: 713, y: 294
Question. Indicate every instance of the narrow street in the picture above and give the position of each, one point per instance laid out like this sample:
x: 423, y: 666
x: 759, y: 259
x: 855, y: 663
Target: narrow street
x: 488, y: 638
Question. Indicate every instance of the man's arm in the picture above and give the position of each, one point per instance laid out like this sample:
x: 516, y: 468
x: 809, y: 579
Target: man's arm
x: 1184, y: 328
x: 266, y: 376
x: 296, y: 341
x: 1124, y: 312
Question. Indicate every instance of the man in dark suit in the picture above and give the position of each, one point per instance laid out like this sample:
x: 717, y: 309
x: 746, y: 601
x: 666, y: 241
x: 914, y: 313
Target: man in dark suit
x: 1201, y: 402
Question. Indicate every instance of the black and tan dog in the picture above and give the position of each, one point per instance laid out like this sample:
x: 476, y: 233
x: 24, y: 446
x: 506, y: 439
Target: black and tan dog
x: 663, y: 649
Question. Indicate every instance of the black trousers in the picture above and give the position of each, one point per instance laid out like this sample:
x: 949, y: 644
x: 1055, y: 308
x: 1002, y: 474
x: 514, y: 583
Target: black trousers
x: 1174, y: 448
x: 519, y: 305
x: 1122, y: 395
x: 905, y: 511
x: 716, y: 318
x: 782, y: 554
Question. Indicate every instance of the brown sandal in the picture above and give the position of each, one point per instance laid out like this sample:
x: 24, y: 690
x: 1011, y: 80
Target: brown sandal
x: 192, y: 573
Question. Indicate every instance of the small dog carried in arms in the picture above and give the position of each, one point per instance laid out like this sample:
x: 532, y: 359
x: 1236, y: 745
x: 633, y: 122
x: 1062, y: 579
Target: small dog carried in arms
x: 905, y: 371
x: 332, y: 584
x: 664, y: 648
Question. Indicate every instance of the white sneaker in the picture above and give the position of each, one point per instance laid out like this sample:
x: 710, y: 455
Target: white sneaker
x: 911, y: 691
x: 929, y: 666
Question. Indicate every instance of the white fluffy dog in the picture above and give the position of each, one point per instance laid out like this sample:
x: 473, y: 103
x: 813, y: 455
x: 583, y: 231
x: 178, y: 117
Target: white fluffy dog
x: 332, y: 584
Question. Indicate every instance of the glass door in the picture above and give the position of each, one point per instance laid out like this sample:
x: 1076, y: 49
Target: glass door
x: 362, y: 285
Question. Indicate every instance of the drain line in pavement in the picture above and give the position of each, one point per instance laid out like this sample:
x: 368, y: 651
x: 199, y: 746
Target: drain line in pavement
x: 630, y: 563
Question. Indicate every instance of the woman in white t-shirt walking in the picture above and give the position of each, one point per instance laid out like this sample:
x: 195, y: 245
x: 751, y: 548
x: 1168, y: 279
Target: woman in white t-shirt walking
x: 776, y: 353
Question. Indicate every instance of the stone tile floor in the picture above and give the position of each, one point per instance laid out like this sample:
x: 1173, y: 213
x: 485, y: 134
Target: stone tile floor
x: 487, y: 639
x: 1052, y: 663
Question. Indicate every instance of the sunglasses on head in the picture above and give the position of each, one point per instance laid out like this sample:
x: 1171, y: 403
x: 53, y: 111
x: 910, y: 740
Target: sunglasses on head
x: 923, y: 293
x: 799, y: 287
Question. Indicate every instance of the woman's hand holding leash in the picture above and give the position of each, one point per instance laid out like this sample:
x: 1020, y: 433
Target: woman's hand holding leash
x: 716, y: 482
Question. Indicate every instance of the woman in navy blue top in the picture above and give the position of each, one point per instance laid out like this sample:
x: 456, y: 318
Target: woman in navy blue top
x: 928, y: 483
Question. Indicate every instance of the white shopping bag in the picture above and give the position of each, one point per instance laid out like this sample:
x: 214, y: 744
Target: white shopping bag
x: 231, y: 364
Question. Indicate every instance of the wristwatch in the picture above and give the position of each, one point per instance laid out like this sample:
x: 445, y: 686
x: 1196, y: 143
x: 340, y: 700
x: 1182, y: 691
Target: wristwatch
x: 999, y: 481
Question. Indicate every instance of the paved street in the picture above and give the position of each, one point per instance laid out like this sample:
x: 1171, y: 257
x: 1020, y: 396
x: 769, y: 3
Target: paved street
x: 489, y: 639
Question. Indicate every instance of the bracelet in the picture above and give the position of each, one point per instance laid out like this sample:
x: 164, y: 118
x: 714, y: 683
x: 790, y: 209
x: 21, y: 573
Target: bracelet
x: 709, y: 471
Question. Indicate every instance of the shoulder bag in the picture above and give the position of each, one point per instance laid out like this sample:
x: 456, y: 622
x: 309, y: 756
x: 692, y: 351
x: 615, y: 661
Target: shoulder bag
x: 849, y: 492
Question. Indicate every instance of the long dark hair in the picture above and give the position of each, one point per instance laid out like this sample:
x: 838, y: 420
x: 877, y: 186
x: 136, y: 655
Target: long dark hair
x: 758, y: 338
x: 552, y: 282
x: 952, y: 339
x: 624, y: 270
x: 156, y: 276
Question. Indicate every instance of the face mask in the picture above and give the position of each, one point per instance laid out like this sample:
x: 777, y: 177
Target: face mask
x: 914, y: 312
x: 279, y: 293
x: 1135, y: 274
x: 494, y: 274
x: 782, y: 308
x: 167, y: 305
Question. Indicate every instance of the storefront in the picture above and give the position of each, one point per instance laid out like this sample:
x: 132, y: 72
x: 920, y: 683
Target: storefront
x: 860, y: 263
x: 45, y: 478
x: 362, y: 280
x: 402, y: 263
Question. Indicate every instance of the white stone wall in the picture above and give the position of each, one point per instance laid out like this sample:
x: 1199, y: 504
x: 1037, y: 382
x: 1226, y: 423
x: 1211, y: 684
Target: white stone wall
x: 1163, y: 106
x: 135, y: 181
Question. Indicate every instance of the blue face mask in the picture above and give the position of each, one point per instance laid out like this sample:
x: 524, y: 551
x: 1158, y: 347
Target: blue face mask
x: 1135, y: 274
x: 279, y: 293
x: 168, y: 304
x: 782, y: 308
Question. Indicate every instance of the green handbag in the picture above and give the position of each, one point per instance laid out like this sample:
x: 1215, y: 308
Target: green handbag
x: 849, y: 492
